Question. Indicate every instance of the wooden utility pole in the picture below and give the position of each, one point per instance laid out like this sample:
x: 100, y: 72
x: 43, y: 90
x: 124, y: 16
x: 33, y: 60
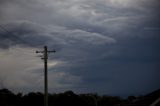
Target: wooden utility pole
x: 45, y: 58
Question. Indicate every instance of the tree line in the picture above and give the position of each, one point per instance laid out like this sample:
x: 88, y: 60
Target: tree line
x: 68, y: 98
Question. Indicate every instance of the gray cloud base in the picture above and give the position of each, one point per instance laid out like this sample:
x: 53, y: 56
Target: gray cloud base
x: 103, y: 45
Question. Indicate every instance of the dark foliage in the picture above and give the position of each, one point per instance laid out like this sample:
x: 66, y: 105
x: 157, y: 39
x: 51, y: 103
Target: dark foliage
x: 68, y: 98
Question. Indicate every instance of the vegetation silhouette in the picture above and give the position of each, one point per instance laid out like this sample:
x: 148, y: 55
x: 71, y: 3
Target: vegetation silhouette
x: 69, y: 98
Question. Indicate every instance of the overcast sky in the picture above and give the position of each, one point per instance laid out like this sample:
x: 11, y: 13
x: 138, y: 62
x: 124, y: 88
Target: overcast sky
x: 104, y: 46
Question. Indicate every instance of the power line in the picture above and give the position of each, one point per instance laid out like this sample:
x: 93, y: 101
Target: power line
x: 45, y: 58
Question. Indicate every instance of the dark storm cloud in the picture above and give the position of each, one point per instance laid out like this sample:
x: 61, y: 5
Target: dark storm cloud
x: 24, y: 34
x: 30, y: 34
x: 128, y: 67
x: 104, y: 44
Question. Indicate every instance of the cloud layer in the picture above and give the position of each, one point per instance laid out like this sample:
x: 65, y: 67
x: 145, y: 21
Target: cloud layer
x: 101, y: 45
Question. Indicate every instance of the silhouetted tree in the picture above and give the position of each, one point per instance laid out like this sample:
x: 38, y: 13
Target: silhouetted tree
x: 33, y: 99
x: 109, y: 101
x: 7, y: 98
x: 69, y: 98
x: 131, y: 99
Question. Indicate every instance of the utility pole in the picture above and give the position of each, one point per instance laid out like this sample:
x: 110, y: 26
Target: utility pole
x: 45, y: 58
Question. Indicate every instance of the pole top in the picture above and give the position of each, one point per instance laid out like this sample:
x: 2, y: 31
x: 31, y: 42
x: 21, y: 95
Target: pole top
x: 45, y: 46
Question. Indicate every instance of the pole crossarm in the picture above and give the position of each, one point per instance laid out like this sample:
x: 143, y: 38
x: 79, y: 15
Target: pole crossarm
x: 39, y: 51
x: 45, y: 57
x: 53, y: 51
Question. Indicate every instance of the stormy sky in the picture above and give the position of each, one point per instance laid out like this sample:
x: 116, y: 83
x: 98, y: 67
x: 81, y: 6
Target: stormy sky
x: 104, y: 46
